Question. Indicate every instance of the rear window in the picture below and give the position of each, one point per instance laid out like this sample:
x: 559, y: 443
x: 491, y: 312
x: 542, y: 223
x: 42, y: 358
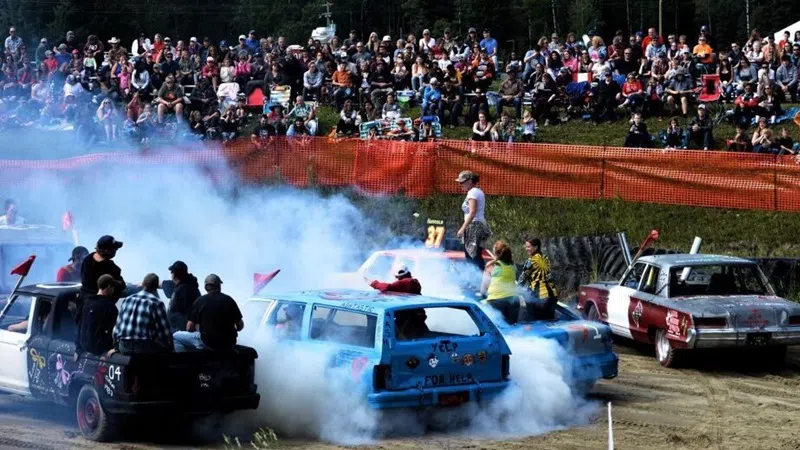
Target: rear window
x: 343, y: 327
x: 733, y: 279
x: 433, y: 323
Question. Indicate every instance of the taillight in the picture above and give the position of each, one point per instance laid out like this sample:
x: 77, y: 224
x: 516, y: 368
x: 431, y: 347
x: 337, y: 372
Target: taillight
x: 380, y: 376
x: 794, y: 320
x: 506, y: 366
x: 710, y: 322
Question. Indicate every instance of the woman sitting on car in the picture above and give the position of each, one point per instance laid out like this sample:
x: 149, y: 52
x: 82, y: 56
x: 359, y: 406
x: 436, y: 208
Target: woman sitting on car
x: 499, y: 287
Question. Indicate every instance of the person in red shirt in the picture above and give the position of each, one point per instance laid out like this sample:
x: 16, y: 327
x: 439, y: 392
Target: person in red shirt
x: 405, y: 283
x: 72, y: 271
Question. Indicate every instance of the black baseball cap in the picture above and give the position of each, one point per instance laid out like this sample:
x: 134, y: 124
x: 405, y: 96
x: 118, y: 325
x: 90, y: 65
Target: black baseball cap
x: 179, y: 266
x: 108, y: 243
x: 106, y: 281
x: 78, y: 251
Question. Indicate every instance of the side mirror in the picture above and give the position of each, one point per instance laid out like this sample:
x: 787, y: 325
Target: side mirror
x: 168, y: 286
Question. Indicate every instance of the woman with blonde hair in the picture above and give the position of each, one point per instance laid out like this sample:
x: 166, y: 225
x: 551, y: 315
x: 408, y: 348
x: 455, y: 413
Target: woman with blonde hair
x: 499, y: 287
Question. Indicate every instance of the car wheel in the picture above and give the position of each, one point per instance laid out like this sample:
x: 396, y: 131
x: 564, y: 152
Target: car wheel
x: 93, y: 421
x: 592, y: 313
x: 666, y: 354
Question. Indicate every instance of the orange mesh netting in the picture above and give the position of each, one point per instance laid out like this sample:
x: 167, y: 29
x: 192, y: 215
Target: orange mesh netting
x: 696, y: 178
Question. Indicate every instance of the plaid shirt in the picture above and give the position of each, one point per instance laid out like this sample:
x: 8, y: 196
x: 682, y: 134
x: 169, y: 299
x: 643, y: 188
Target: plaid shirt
x: 143, y: 317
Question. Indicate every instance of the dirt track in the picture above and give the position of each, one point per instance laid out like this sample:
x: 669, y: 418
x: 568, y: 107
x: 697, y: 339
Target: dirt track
x: 704, y: 407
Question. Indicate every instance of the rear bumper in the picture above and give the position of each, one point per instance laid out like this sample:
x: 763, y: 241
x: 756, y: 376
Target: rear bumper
x: 730, y: 338
x: 219, y: 405
x: 412, y: 398
x: 590, y: 368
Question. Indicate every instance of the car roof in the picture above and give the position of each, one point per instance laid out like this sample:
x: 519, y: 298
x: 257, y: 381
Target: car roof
x: 51, y: 289
x: 375, y: 300
x: 33, y: 234
x: 422, y: 253
x: 685, y: 259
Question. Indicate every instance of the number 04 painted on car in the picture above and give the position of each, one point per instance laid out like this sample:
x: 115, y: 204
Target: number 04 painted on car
x: 114, y: 371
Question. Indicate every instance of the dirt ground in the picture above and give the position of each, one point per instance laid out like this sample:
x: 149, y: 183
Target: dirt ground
x: 711, y: 405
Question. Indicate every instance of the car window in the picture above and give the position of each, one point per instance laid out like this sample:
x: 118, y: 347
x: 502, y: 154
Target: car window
x: 287, y: 320
x: 738, y: 279
x: 65, y: 326
x: 650, y: 280
x: 343, y: 327
x: 380, y: 268
x: 434, y: 323
x: 633, y: 277
x: 15, y: 319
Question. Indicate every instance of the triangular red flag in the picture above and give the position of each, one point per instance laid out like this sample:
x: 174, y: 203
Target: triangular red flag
x: 66, y: 221
x: 262, y: 279
x: 23, y: 268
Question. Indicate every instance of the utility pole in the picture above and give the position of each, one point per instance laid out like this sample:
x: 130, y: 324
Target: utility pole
x: 747, y: 3
x: 553, y: 5
x: 660, y: 30
x: 327, y: 14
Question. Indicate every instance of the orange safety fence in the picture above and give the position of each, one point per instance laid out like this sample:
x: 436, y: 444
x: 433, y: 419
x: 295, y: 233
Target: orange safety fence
x: 681, y: 177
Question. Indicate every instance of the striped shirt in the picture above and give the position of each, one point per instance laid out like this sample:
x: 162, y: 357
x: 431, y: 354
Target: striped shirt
x: 143, y: 317
x: 536, y: 275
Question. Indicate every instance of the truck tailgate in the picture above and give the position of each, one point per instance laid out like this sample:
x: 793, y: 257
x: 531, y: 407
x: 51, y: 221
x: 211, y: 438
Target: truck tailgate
x: 198, y: 380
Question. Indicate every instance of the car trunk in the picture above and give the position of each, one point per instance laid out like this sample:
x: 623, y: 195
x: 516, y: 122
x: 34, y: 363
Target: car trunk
x: 196, y: 378
x: 743, y: 311
x: 450, y: 361
x: 578, y: 337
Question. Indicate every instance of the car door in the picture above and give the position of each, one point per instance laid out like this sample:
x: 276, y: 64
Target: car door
x: 618, y: 306
x: 60, y: 362
x: 15, y: 330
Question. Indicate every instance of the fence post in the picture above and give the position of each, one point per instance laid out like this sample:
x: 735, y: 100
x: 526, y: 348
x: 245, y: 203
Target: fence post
x: 603, y: 176
x: 775, y: 181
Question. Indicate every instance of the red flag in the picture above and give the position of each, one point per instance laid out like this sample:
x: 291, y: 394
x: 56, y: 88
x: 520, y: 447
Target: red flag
x: 25, y: 267
x: 66, y: 221
x: 262, y: 279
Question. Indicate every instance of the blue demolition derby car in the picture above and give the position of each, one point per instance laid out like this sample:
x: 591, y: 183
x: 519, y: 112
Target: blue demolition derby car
x: 588, y: 344
x: 407, y: 350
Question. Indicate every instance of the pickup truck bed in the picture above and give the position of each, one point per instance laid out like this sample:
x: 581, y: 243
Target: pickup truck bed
x: 40, y: 362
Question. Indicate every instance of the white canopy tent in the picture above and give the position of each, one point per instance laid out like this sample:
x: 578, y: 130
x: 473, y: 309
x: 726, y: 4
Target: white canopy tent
x: 791, y: 29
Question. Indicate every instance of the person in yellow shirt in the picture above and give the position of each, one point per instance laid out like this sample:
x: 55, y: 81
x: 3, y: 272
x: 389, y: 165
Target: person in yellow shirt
x: 540, y: 296
x: 499, y: 287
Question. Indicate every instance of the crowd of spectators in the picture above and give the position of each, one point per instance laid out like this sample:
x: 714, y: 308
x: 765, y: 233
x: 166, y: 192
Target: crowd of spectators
x: 103, y: 88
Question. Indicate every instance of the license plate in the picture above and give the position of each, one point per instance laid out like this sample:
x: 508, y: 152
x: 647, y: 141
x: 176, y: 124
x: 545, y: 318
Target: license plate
x: 453, y: 399
x: 758, y: 339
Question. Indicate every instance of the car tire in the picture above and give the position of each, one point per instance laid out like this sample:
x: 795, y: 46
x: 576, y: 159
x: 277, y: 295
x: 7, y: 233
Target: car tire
x: 94, y: 422
x: 667, y: 355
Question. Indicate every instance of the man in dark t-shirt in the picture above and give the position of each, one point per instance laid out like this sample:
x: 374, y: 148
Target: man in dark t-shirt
x: 218, y: 318
x: 98, y: 317
x: 262, y: 133
x: 100, y: 262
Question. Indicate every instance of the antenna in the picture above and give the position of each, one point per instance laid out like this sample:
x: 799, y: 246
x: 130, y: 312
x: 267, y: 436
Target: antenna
x: 327, y: 14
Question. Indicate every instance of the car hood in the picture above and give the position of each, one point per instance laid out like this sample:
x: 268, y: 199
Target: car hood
x: 752, y: 311
x: 580, y: 337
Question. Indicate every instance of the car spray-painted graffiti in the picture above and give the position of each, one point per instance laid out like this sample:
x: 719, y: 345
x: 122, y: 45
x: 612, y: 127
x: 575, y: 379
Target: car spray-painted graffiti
x: 38, y: 364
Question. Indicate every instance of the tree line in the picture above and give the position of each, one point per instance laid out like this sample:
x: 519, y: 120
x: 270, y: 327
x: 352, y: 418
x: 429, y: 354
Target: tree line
x: 514, y: 23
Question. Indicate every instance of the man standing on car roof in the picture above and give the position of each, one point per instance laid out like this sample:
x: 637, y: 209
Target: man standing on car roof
x: 405, y: 283
x: 98, y: 318
x: 142, y: 326
x: 100, y: 262
x: 218, y: 317
x: 72, y: 271
x: 186, y: 292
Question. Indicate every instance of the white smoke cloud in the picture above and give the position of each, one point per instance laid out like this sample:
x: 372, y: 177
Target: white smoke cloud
x: 168, y: 214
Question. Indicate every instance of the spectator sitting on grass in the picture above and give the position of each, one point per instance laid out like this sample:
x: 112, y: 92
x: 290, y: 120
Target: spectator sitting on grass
x: 632, y: 92
x: 701, y: 130
x: 262, y: 133
x: 504, y: 130
x: 786, y: 143
x: 312, y: 82
x: 431, y: 98
x: 769, y: 105
x: 528, y: 126
x: 511, y: 93
x: 740, y: 142
x: 673, y: 136
x: 638, y: 136
x: 391, y: 109
x: 608, y: 96
x: 680, y: 90
x: 402, y: 132
x: 482, y: 128
x: 306, y: 113
x: 298, y: 128
x: 276, y: 118
x: 349, y: 120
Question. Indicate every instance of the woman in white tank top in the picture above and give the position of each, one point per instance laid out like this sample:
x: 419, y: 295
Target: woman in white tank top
x: 475, y: 230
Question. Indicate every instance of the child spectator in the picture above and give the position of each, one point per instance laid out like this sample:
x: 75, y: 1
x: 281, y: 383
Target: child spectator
x: 740, y: 142
x: 481, y: 129
x: 348, y: 120
x: 638, y: 136
x: 786, y: 143
x: 673, y: 136
x: 528, y: 126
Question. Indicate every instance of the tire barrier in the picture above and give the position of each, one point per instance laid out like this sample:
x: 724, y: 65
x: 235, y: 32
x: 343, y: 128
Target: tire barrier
x: 783, y: 274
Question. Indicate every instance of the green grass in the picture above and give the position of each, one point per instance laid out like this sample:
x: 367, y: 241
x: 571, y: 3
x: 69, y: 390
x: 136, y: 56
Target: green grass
x: 739, y: 232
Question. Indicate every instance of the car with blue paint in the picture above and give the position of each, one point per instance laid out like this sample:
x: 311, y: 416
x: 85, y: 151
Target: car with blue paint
x: 407, y: 351
x: 589, y: 344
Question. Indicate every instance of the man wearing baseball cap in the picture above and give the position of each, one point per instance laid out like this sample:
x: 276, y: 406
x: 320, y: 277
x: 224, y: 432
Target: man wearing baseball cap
x: 186, y: 292
x: 218, y: 317
x: 72, y: 271
x: 405, y: 283
x: 98, y: 263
